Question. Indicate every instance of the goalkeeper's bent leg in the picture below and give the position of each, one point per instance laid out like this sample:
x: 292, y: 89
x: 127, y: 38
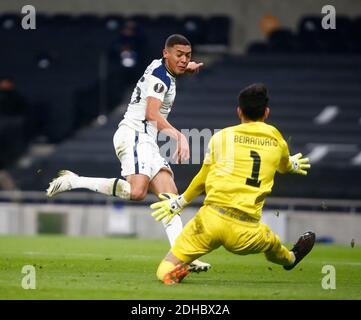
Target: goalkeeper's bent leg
x: 279, y: 254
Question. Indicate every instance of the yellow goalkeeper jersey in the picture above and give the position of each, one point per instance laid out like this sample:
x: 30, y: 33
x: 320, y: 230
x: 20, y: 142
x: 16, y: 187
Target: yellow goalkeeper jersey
x: 243, y: 160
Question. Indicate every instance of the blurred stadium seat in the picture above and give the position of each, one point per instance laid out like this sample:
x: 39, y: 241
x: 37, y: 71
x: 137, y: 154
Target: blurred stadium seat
x: 9, y: 22
x: 282, y: 40
x: 310, y: 37
x: 194, y: 28
x: 356, y: 35
x: 218, y: 30
x: 258, y: 48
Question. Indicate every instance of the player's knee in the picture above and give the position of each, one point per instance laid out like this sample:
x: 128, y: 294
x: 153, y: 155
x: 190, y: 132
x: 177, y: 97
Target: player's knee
x: 138, y: 194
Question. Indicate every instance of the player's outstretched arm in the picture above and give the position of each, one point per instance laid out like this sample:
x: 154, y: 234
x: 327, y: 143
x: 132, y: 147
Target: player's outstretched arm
x: 299, y: 165
x: 174, y: 204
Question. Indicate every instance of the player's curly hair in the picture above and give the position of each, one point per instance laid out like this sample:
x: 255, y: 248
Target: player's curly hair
x: 253, y: 101
x: 175, y: 39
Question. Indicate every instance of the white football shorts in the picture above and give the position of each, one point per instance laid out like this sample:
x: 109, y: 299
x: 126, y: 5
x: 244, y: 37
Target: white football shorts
x: 138, y: 153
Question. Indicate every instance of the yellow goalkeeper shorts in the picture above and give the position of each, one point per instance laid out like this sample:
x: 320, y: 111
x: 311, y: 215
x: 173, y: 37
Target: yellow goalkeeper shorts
x: 210, y: 229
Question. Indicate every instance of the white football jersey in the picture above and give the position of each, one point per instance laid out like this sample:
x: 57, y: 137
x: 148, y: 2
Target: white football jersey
x: 156, y: 82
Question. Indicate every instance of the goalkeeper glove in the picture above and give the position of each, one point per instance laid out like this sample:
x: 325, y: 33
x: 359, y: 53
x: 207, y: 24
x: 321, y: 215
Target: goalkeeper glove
x: 299, y: 165
x: 171, y: 205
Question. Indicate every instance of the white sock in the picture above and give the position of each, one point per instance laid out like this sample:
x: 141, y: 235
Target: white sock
x: 173, y: 228
x: 121, y: 189
x: 110, y: 187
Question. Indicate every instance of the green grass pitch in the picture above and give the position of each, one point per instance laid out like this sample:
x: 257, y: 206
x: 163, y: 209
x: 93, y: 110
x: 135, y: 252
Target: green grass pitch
x: 118, y: 268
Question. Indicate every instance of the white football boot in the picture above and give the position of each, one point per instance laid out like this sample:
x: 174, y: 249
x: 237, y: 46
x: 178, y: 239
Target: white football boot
x: 199, y: 266
x: 61, y: 183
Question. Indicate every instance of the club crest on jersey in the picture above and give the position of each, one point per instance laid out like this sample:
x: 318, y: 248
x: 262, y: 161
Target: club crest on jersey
x: 158, y: 87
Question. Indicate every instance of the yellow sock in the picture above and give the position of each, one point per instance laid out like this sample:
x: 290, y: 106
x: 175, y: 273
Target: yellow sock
x: 280, y: 254
x: 293, y: 257
x: 164, y: 267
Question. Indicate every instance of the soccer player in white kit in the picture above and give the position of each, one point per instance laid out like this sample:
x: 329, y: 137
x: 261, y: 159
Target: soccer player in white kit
x: 135, y: 140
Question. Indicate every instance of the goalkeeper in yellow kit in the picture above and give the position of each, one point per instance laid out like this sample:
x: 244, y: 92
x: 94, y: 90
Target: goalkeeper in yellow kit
x: 237, y: 174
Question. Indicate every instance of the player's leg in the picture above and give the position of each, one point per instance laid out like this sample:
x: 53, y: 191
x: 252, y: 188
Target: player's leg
x: 134, y: 188
x: 124, y: 143
x: 302, y: 247
x: 194, y: 241
x: 164, y: 182
x: 277, y: 253
x: 68, y: 180
x: 253, y: 237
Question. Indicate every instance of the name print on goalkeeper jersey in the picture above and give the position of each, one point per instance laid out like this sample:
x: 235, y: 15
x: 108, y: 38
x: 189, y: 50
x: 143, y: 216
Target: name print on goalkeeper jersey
x: 244, y: 159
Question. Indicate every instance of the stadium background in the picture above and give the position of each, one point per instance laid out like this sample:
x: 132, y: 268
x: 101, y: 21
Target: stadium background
x: 75, y: 72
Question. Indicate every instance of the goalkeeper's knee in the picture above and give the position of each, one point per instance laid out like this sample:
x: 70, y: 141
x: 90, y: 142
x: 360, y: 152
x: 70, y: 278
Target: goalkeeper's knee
x: 163, y: 268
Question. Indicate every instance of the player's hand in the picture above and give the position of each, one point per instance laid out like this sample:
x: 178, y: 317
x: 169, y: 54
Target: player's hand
x: 194, y: 67
x: 171, y: 205
x: 182, y: 152
x: 299, y: 165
